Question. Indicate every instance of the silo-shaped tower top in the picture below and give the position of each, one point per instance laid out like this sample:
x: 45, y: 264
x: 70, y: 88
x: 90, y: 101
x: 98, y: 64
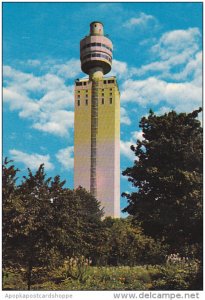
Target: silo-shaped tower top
x: 96, y: 28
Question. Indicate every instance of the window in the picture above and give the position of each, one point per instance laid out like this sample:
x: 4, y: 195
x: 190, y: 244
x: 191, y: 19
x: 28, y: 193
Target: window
x: 102, y: 94
x: 110, y: 94
x: 85, y: 83
x: 78, y: 96
x: 78, y: 83
x: 78, y: 92
x: 86, y: 101
x: 97, y: 55
x: 96, y: 44
x: 105, y: 81
x: 86, y: 96
x: 110, y: 81
x: 102, y: 90
x: 103, y: 101
x: 110, y: 89
x: 78, y: 102
x: 110, y: 100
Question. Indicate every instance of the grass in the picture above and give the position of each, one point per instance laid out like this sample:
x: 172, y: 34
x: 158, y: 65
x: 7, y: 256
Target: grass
x: 102, y: 278
x: 108, y: 278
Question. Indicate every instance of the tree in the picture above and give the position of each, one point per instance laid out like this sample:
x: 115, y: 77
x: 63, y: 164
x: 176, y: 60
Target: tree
x: 127, y: 245
x: 33, y: 235
x: 77, y: 220
x: 64, y: 221
x: 43, y: 222
x: 167, y: 174
x: 89, y: 214
x: 11, y: 206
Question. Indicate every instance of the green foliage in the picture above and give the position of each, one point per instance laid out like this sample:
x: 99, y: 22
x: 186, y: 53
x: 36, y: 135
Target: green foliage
x: 43, y: 222
x: 33, y: 235
x: 167, y: 175
x: 127, y: 245
x: 49, y: 231
x: 105, y: 278
x: 77, y: 267
x: 76, y: 220
x: 177, y: 276
x: 13, y: 280
x: 89, y: 217
x: 11, y: 208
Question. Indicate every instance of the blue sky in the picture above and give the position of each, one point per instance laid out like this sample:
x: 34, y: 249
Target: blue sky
x: 157, y: 60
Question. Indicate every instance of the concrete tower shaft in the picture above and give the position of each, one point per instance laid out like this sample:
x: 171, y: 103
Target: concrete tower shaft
x: 96, y: 50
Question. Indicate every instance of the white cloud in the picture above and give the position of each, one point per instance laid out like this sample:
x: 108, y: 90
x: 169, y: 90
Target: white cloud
x: 176, y: 41
x: 17, y: 101
x: 57, y: 98
x: 46, y: 100
x: 124, y: 118
x: 69, y: 69
x: 181, y: 96
x: 141, y: 19
x: 193, y: 70
x: 20, y: 81
x: 162, y: 110
x: 65, y: 157
x: 126, y: 151
x: 32, y: 161
x: 175, y: 78
x: 125, y: 145
x: 175, y: 49
x: 141, y: 91
x: 119, y: 69
x: 58, y: 122
x: 137, y: 135
x: 157, y: 66
x: 65, y: 69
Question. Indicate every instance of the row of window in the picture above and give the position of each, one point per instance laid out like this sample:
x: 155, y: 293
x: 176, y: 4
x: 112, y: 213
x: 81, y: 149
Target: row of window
x: 96, y: 45
x: 109, y: 81
x: 86, y: 101
x: 87, y: 91
x: 86, y: 95
x: 104, y: 94
x: 80, y: 83
x: 97, y: 55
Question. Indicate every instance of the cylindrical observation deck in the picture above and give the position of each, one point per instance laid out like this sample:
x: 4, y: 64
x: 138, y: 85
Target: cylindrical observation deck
x: 96, y: 50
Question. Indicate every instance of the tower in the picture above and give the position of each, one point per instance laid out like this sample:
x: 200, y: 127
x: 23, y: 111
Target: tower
x: 97, y: 123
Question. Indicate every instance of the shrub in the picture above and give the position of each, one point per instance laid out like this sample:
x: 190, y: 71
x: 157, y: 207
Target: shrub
x: 13, y: 280
x: 179, y: 273
x: 126, y: 244
x: 76, y: 268
x: 170, y: 276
